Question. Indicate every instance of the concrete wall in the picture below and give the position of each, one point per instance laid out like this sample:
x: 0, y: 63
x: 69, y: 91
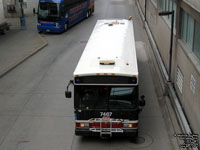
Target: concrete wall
x: 189, y: 65
x: 183, y: 57
x: 16, y: 4
x: 142, y: 2
x: 160, y: 31
x: 190, y: 101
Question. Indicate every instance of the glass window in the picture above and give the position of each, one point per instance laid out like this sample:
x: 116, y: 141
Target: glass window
x: 170, y: 9
x: 196, y: 48
x: 169, y: 5
x: 184, y: 25
x: 49, y: 11
x: 162, y: 5
x: 106, y: 97
x: 92, y: 97
x: 121, y: 97
x: 166, y: 5
x: 174, y: 8
x: 190, y: 31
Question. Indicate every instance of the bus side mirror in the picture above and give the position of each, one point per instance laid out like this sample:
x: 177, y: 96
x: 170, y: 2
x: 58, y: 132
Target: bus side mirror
x: 34, y: 11
x: 142, y: 101
x: 68, y: 94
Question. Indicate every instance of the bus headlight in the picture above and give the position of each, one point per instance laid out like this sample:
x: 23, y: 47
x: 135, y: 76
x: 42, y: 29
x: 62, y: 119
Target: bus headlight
x: 57, y: 25
x: 82, y: 125
x: 131, y: 125
x: 66, y: 16
x: 127, y: 125
x: 85, y: 125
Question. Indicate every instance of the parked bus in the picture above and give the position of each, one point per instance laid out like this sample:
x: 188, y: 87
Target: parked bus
x: 59, y: 15
x: 106, y: 84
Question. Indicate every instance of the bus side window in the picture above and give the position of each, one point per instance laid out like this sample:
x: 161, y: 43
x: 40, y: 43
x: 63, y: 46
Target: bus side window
x: 62, y: 10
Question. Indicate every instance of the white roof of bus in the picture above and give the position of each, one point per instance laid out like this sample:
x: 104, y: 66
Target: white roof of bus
x: 114, y: 42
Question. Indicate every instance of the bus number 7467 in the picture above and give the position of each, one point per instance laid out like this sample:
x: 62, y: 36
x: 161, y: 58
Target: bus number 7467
x: 105, y: 114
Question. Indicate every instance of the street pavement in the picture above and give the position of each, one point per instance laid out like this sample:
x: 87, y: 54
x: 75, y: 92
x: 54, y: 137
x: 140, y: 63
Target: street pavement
x: 34, y: 113
x: 17, y: 45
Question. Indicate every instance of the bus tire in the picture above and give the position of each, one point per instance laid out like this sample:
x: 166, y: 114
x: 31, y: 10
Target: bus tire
x: 7, y: 28
x: 2, y: 31
x: 90, y: 12
x: 66, y: 26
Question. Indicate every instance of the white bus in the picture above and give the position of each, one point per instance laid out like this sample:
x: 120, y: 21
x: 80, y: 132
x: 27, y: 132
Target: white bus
x: 106, y: 92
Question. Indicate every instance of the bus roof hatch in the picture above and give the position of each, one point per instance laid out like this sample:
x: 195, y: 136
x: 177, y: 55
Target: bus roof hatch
x: 106, y: 62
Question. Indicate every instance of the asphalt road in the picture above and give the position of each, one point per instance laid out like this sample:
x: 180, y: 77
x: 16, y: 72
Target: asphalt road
x: 35, y: 115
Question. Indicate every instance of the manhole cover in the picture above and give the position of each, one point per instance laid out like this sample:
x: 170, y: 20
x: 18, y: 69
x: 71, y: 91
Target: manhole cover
x: 139, y: 140
x: 142, y: 141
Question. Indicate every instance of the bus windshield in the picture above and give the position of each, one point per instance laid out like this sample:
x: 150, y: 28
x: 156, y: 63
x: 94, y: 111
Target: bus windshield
x: 49, y: 11
x: 101, y: 97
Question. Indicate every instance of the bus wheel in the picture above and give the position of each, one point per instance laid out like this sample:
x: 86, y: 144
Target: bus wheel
x: 66, y: 26
x: 90, y: 12
x: 2, y: 31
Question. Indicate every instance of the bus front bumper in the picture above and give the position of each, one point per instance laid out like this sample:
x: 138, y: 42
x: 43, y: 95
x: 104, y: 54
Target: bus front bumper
x: 54, y: 29
x: 125, y: 132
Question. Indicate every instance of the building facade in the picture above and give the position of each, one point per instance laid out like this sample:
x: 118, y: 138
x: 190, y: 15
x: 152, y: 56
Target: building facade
x: 185, y: 68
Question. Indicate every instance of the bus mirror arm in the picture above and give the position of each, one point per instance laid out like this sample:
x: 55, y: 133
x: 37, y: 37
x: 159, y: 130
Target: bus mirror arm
x: 68, y: 94
x: 142, y: 101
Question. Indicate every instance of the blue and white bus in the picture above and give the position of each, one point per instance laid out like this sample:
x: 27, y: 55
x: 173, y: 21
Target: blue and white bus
x: 58, y: 15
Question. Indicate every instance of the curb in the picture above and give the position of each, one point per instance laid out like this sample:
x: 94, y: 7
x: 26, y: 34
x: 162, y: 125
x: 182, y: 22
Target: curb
x: 32, y: 52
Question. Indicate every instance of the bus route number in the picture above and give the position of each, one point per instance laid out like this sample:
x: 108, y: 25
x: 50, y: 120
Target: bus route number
x: 105, y: 114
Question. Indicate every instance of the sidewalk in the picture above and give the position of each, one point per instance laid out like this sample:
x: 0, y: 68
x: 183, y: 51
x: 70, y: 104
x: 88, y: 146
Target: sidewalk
x: 18, y: 45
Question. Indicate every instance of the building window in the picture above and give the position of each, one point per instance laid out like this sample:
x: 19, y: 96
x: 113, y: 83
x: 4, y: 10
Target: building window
x: 174, y: 8
x: 184, y: 25
x: 190, y: 33
x: 162, y: 4
x: 179, y: 80
x: 166, y: 5
x: 169, y: 5
x: 197, y: 40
